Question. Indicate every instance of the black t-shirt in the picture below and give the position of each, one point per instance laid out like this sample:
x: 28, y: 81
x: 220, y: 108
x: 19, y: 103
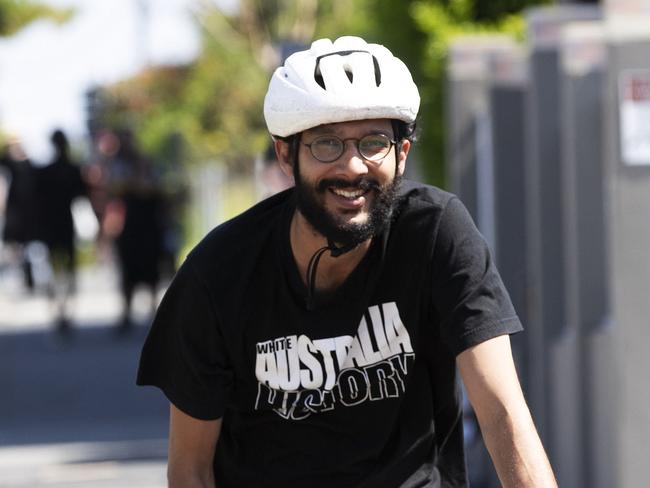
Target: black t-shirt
x: 361, y: 390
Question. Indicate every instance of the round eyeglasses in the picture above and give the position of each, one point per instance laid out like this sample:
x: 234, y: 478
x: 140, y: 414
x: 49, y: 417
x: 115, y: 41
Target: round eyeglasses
x: 328, y: 148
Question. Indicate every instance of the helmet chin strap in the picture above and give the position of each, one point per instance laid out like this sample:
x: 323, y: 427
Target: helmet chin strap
x: 335, y: 252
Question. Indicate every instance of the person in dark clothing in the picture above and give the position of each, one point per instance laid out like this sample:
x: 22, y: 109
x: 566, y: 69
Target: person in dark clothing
x: 140, y: 243
x: 58, y: 185
x: 20, y: 212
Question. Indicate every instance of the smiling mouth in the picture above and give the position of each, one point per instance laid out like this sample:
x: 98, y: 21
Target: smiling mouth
x: 350, y: 194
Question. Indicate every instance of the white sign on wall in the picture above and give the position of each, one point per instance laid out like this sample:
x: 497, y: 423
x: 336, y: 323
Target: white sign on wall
x: 634, y: 103
x: 632, y: 8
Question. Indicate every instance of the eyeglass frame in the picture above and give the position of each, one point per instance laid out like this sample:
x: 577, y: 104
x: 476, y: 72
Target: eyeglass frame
x: 357, y: 141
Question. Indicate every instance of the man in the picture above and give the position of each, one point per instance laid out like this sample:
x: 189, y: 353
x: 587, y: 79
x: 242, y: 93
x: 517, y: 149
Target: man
x: 58, y: 184
x: 313, y: 340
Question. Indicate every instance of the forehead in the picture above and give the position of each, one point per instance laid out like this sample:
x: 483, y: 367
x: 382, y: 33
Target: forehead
x: 353, y: 128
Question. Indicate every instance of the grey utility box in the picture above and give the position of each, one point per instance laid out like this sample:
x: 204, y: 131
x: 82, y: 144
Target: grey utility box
x: 553, y: 346
x: 469, y: 167
x: 627, y: 154
x: 582, y: 413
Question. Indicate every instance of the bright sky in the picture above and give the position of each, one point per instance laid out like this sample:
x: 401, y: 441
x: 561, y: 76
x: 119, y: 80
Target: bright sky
x: 46, y: 68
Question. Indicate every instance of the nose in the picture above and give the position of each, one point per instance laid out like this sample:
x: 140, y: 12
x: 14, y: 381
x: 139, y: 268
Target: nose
x: 351, y: 161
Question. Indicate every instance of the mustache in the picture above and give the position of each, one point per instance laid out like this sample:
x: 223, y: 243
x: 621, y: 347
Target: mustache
x: 361, y: 183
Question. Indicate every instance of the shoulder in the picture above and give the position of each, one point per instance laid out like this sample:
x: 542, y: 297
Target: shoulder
x: 432, y: 217
x: 418, y: 213
x: 415, y: 197
x: 416, y: 193
x: 419, y: 204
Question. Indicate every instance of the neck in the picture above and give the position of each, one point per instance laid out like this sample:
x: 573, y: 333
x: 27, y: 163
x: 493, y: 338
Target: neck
x: 332, y: 272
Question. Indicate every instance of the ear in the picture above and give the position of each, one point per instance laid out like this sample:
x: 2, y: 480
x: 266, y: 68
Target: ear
x: 401, y: 161
x: 282, y: 153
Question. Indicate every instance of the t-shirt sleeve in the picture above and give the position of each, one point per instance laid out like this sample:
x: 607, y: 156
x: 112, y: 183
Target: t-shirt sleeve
x: 184, y: 354
x: 469, y: 297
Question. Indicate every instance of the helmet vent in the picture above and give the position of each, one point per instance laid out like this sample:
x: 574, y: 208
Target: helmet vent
x: 318, y: 76
x: 377, y: 71
x: 348, y: 73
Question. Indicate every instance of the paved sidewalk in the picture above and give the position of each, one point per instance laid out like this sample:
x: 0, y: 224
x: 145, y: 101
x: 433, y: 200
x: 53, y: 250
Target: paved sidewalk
x: 97, y: 301
x: 98, y: 464
x: 70, y: 413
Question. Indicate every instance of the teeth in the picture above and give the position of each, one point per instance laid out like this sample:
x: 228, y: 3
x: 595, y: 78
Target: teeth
x: 348, y: 194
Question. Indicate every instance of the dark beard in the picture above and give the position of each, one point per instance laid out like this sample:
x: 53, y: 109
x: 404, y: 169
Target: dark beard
x: 346, y: 235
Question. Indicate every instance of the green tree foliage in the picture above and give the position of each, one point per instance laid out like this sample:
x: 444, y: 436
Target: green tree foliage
x: 16, y: 14
x: 223, y: 97
x: 216, y: 103
x: 419, y: 32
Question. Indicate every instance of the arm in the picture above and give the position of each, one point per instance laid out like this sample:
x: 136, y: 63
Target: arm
x: 192, y: 444
x: 490, y: 377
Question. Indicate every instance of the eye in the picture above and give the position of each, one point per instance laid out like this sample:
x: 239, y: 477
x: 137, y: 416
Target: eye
x: 374, y: 146
x: 326, y: 148
x: 374, y: 143
x: 326, y: 142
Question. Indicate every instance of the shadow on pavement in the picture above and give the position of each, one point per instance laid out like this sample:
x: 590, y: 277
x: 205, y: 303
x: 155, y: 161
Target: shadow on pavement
x: 78, y: 389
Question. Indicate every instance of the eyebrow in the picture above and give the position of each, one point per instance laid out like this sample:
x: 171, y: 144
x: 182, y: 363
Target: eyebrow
x: 329, y: 130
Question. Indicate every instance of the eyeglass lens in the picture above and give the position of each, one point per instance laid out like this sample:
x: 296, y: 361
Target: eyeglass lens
x: 372, y: 147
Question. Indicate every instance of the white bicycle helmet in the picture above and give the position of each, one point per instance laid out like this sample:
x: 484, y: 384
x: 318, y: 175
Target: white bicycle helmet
x: 339, y: 81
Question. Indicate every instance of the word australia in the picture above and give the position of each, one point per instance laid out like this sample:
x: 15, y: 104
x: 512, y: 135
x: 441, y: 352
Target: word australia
x: 298, y: 376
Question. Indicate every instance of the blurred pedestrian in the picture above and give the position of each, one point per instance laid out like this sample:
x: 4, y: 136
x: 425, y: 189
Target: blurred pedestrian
x: 58, y: 185
x: 140, y: 242
x: 269, y: 177
x: 20, y: 209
